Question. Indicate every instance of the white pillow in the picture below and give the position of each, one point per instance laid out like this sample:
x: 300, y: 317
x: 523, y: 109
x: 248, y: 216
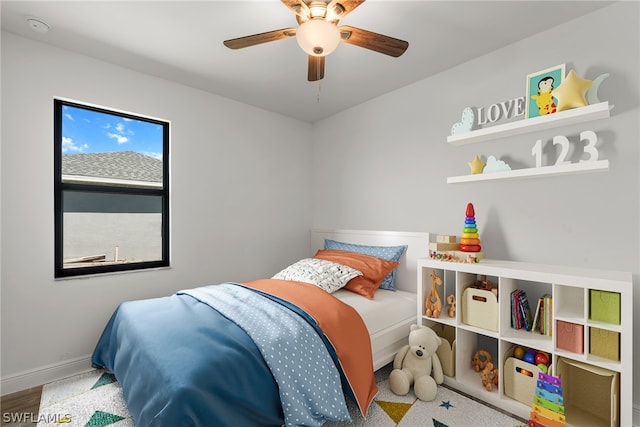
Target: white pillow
x: 326, y: 275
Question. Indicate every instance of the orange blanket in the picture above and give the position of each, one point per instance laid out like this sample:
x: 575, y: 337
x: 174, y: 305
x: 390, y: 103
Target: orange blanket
x: 341, y: 324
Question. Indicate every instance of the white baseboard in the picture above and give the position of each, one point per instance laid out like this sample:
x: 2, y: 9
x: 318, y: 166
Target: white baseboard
x: 44, y: 375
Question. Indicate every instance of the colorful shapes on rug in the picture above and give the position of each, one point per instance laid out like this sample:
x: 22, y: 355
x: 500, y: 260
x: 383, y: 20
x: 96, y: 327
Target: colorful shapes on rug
x: 64, y: 420
x: 102, y: 419
x: 395, y: 410
x: 105, y: 406
x: 446, y: 404
x: 104, y: 379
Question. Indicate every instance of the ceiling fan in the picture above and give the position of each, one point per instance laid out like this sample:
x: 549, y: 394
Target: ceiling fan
x: 318, y: 33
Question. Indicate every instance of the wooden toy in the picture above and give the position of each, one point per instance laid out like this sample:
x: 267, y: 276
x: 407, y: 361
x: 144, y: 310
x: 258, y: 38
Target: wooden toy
x: 451, y: 300
x: 489, y: 376
x: 446, y: 248
x: 434, y: 303
x: 482, y: 362
x: 485, y: 284
x: 480, y: 359
x: 445, y: 238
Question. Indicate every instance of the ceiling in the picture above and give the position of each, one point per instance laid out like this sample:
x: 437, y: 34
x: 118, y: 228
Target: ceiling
x: 182, y: 41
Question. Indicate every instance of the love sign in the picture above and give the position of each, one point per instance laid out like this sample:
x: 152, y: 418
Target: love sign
x: 505, y: 109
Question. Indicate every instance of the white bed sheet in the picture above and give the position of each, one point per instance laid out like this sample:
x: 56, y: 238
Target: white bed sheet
x: 388, y: 308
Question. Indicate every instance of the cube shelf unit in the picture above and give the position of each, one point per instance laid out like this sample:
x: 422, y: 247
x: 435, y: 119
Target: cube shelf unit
x: 572, y: 290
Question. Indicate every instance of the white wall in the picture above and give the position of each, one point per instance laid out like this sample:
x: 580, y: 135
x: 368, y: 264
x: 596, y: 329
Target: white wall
x: 239, y: 189
x: 390, y: 159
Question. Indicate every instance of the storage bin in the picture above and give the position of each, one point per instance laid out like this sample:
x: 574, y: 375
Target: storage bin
x: 447, y: 350
x: 520, y: 380
x: 604, y: 306
x: 570, y: 336
x: 480, y: 308
x: 604, y: 343
x: 591, y: 393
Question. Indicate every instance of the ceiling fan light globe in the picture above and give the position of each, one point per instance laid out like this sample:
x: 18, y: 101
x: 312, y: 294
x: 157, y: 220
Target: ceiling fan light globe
x: 318, y: 37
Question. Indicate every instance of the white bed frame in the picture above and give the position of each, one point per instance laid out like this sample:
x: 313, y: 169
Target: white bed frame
x: 386, y: 343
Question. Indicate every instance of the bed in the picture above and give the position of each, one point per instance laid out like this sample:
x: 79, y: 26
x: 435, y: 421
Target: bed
x: 387, y: 334
x: 269, y: 351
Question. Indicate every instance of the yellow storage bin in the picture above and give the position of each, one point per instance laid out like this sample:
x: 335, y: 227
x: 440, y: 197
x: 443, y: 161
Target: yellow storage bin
x: 591, y: 394
x: 480, y: 308
x: 604, y: 343
x: 604, y: 306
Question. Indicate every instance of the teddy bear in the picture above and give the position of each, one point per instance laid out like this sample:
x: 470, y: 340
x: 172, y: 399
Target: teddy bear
x: 415, y: 363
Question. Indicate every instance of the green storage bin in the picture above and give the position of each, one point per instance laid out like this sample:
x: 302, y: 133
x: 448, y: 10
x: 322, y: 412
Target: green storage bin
x: 604, y: 306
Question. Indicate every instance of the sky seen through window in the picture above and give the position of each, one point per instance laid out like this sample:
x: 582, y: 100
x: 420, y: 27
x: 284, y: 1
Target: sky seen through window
x: 88, y: 131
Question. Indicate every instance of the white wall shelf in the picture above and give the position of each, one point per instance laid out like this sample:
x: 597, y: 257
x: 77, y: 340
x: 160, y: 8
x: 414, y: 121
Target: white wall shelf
x: 575, y: 292
x: 571, y: 168
x: 562, y: 118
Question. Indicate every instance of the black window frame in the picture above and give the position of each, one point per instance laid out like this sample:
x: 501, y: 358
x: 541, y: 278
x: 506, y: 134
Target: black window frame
x: 61, y: 187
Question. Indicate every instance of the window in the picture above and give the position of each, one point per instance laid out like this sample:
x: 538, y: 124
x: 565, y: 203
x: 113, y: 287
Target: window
x: 111, y: 190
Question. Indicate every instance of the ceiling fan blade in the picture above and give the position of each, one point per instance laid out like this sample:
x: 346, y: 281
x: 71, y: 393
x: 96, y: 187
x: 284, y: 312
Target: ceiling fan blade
x: 316, y: 68
x: 298, y: 7
x: 269, y: 36
x: 373, y: 41
x: 338, y: 9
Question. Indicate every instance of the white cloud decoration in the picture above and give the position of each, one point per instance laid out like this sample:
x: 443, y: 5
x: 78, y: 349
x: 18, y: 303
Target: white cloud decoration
x: 466, y: 122
x: 495, y: 165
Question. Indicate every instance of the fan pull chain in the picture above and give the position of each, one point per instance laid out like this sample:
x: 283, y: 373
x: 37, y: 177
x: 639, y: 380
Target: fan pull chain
x: 318, y: 70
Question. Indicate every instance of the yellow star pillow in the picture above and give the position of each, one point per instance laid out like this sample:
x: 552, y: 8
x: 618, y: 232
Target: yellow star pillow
x: 476, y: 166
x: 571, y: 91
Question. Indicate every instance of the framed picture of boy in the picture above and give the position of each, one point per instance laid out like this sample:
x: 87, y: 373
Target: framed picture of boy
x: 539, y: 101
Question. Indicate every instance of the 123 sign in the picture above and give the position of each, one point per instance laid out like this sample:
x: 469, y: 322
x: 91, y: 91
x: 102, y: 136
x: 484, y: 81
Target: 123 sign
x: 589, y: 138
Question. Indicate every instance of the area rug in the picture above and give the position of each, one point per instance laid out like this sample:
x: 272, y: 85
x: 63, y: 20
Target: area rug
x: 94, y: 399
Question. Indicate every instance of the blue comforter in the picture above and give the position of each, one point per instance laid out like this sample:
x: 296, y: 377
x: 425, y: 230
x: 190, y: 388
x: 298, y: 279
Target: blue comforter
x: 221, y: 355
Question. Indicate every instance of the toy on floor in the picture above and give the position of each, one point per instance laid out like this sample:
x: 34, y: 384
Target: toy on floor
x: 433, y: 302
x: 418, y: 364
x: 451, y: 300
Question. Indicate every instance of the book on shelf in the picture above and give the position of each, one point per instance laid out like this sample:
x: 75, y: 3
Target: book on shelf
x: 542, y: 316
x: 549, y: 310
x: 520, y: 310
x: 536, y: 316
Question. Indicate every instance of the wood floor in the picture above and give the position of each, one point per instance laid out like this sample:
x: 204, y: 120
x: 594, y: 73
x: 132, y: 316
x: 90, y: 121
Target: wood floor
x: 21, y: 408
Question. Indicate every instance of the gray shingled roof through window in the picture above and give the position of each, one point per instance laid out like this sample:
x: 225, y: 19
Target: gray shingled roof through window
x: 125, y: 165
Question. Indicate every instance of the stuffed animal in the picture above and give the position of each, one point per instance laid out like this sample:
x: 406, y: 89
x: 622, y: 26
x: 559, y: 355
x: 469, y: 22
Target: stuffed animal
x: 415, y: 364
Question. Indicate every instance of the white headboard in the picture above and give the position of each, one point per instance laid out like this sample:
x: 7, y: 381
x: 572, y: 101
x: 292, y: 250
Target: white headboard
x: 417, y: 247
